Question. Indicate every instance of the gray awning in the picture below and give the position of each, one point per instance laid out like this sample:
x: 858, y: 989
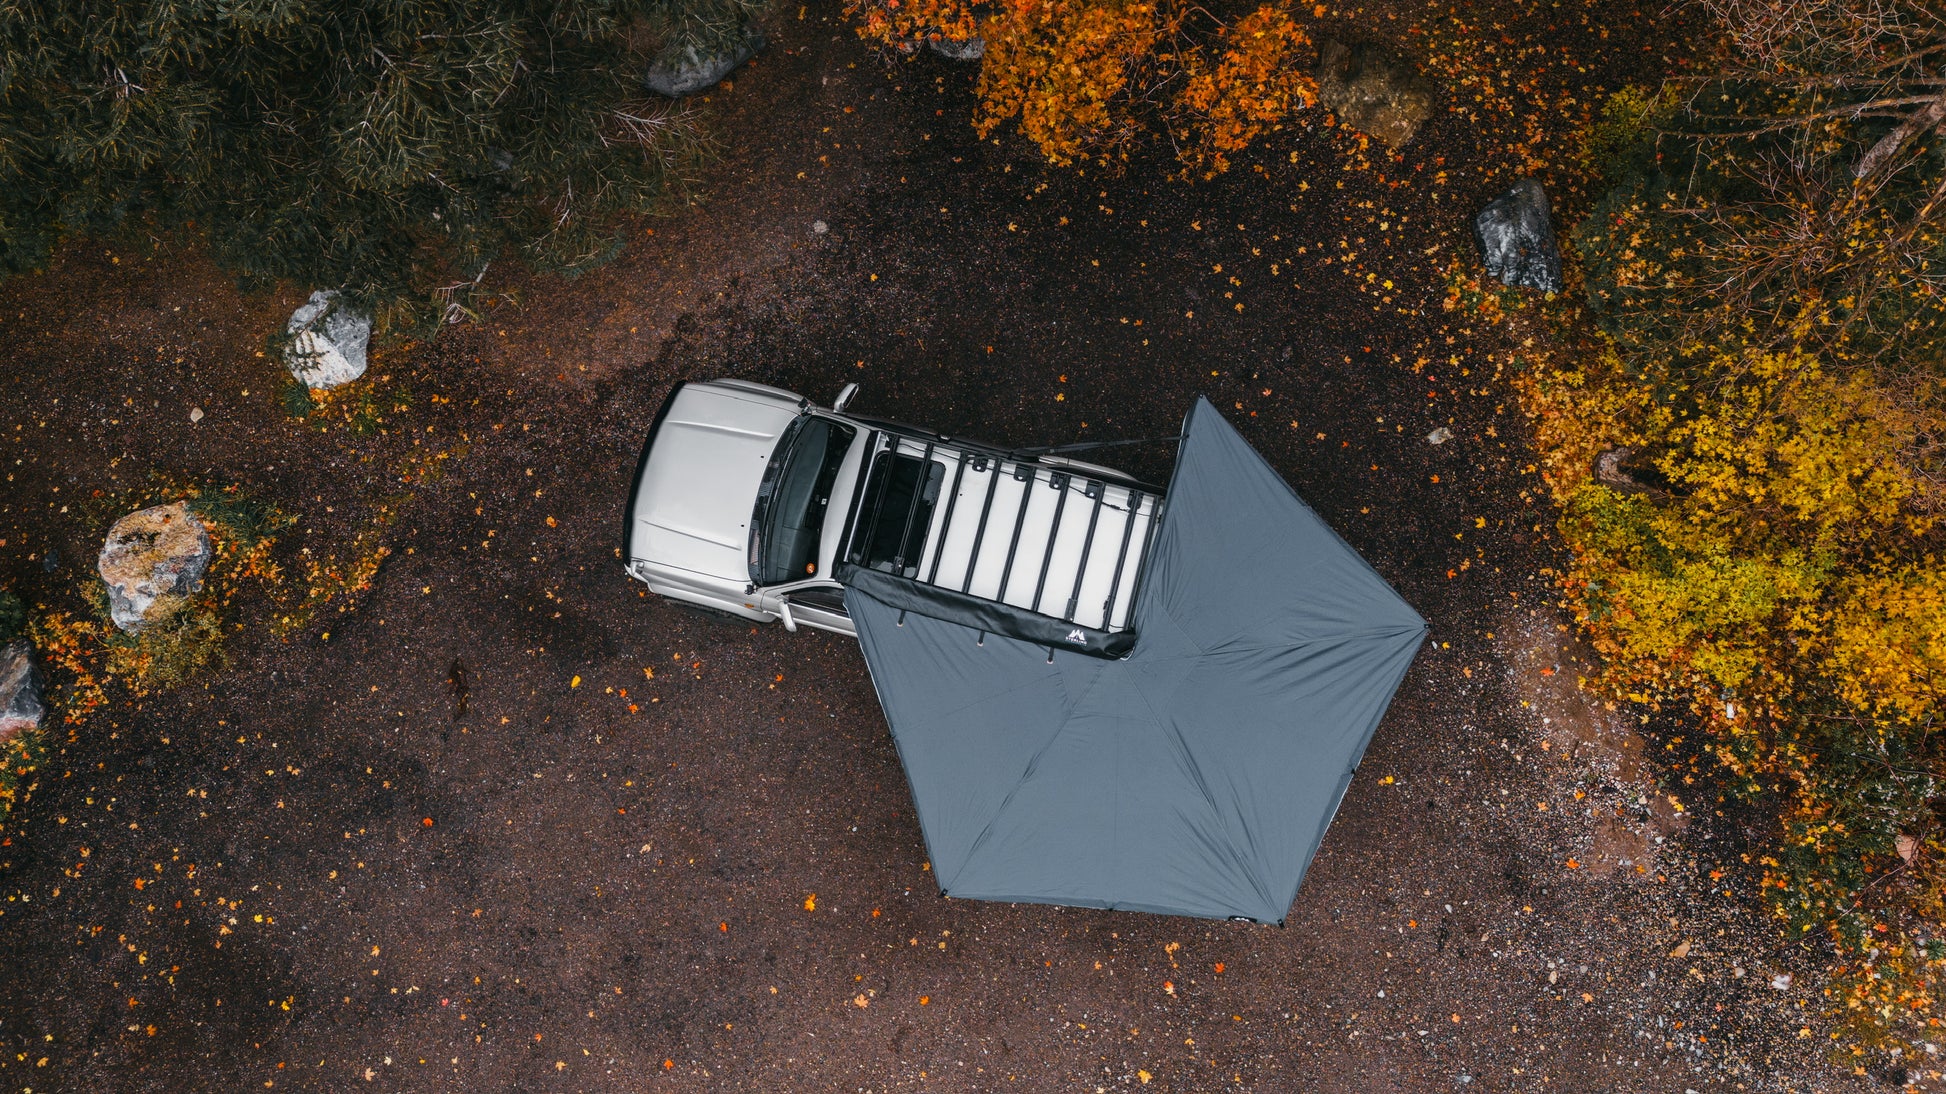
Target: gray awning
x: 1197, y: 775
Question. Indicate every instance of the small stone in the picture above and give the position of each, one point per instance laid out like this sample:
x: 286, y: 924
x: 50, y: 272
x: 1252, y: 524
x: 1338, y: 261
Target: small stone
x: 819, y: 227
x: 328, y: 339
x: 1439, y: 436
x: 683, y: 70
x: 154, y: 559
x: 1516, y: 237
x: 1781, y: 982
x: 21, y: 708
x: 1373, y: 91
x: 195, y: 414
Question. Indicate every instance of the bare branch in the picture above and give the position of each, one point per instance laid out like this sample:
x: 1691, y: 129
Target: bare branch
x: 1888, y: 146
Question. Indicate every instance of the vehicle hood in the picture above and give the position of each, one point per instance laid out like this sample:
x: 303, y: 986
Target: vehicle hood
x: 699, y: 483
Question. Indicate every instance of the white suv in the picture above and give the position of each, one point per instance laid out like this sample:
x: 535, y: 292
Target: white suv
x: 749, y: 500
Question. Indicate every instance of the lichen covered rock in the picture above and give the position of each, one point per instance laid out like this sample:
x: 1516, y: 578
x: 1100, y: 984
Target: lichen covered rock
x: 1516, y: 237
x: 683, y: 70
x: 153, y: 561
x: 328, y: 339
x: 1373, y: 91
x: 972, y: 49
x: 21, y: 707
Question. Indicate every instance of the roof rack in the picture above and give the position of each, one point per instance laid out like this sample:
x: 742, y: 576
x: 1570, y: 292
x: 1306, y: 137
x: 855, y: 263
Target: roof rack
x: 1075, y: 537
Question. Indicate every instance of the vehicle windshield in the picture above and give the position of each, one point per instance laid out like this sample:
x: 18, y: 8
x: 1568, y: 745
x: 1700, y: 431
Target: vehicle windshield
x: 792, y: 500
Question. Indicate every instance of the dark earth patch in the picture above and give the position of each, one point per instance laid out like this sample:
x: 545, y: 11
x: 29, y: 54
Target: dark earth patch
x: 716, y: 881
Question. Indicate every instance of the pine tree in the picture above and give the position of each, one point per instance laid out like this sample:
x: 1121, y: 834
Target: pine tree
x: 393, y: 150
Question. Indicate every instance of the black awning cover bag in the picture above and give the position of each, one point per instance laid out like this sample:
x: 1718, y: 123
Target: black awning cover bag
x: 1197, y: 775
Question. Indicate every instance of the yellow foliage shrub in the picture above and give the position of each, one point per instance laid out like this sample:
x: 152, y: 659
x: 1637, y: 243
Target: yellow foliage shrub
x: 1762, y: 390
x: 1885, y: 648
x: 1774, y: 568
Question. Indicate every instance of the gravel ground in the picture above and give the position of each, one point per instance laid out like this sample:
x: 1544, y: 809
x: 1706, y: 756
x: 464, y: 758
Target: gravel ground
x: 513, y: 825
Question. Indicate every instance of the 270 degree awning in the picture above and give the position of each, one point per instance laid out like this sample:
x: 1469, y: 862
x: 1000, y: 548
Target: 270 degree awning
x: 1197, y: 775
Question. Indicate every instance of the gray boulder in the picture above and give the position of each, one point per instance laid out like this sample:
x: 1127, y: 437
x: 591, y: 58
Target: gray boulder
x: 1374, y: 91
x: 684, y: 70
x: 970, y: 50
x: 154, y: 559
x: 1516, y: 238
x: 21, y: 708
x: 328, y: 338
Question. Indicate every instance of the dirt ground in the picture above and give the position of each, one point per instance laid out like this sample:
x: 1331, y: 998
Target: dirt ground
x: 511, y: 824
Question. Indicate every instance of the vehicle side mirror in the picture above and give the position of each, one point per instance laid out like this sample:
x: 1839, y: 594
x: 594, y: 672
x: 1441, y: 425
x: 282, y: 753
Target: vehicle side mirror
x: 844, y: 397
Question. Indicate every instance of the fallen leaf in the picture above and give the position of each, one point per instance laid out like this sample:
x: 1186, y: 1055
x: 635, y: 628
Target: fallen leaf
x: 1681, y: 951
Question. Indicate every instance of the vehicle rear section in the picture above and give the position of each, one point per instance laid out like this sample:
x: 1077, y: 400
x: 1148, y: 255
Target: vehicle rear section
x: 983, y: 529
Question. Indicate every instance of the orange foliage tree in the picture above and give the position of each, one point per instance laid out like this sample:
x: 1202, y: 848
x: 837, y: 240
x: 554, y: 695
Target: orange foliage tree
x: 1085, y: 78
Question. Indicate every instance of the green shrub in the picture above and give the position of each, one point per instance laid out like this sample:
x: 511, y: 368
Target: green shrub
x: 13, y: 616
x: 395, y: 151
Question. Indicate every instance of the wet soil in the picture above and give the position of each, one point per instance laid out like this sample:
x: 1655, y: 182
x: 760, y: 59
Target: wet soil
x: 512, y: 824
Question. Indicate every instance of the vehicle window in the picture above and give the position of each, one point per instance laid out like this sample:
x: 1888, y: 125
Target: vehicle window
x: 792, y: 500
x: 823, y: 598
x: 895, y: 513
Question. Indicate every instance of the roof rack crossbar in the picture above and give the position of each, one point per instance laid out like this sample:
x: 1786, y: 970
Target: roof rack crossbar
x: 946, y: 522
x: 869, y: 522
x: 1020, y: 522
x: 1100, y: 490
x: 1135, y: 500
x: 980, y: 532
x: 1059, y: 481
x: 857, y: 499
x: 912, y: 511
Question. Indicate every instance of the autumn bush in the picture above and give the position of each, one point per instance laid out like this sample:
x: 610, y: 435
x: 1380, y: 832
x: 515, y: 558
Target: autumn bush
x: 1084, y: 79
x: 1762, y: 389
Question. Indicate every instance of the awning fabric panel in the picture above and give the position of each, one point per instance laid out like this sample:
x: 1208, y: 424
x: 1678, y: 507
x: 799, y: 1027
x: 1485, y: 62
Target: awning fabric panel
x: 1197, y: 775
